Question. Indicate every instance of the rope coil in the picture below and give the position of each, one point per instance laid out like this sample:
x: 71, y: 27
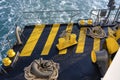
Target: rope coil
x: 42, y: 70
x: 96, y: 32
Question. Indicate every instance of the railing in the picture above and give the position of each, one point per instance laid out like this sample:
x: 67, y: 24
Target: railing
x: 100, y: 15
x: 49, y: 17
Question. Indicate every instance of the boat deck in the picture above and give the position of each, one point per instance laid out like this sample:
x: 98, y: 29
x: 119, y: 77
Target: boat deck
x: 39, y: 41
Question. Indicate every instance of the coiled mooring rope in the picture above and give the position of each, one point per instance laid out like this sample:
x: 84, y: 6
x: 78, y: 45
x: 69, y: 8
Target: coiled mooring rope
x: 96, y: 32
x: 43, y: 70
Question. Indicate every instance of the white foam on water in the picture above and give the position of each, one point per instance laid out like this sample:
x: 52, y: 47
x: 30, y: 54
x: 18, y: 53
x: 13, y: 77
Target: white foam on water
x: 1, y: 7
x: 2, y: 13
x: 2, y: 1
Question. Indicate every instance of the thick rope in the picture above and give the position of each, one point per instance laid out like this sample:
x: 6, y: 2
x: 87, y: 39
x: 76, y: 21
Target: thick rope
x: 29, y: 76
x: 96, y: 32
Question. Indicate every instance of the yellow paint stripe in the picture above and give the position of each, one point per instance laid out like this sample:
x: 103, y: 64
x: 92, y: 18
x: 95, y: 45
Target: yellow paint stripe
x: 64, y: 51
x: 81, y: 40
x: 31, y: 42
x: 50, y: 39
x: 96, y: 44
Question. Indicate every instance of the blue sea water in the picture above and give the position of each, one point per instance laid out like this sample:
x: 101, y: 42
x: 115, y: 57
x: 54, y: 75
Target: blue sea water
x: 10, y: 10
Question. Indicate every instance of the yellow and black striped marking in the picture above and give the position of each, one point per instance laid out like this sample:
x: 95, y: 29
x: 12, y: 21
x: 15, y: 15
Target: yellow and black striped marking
x: 50, y: 39
x: 69, y: 27
x: 39, y: 41
x: 44, y: 38
x: 31, y: 42
x: 81, y: 40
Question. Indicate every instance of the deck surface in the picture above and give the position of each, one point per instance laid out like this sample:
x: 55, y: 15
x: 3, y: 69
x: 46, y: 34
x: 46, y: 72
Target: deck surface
x: 39, y: 41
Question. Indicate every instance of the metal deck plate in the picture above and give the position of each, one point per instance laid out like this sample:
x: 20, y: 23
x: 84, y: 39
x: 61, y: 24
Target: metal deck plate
x: 75, y: 61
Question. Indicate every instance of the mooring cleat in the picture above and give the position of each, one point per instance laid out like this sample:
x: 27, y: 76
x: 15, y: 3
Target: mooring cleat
x: 111, y: 32
x: 111, y: 45
x: 101, y: 58
x: 6, y: 61
x: 11, y: 53
x: 117, y: 34
x: 90, y: 22
x: 82, y: 22
x: 65, y: 43
x: 93, y: 56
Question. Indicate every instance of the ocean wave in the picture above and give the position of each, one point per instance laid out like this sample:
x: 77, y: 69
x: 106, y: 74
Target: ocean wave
x: 2, y: 1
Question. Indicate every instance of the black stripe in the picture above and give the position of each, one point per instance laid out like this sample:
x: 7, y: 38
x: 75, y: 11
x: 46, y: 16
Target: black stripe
x: 41, y: 42
x: 24, y: 37
x: 54, y: 51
